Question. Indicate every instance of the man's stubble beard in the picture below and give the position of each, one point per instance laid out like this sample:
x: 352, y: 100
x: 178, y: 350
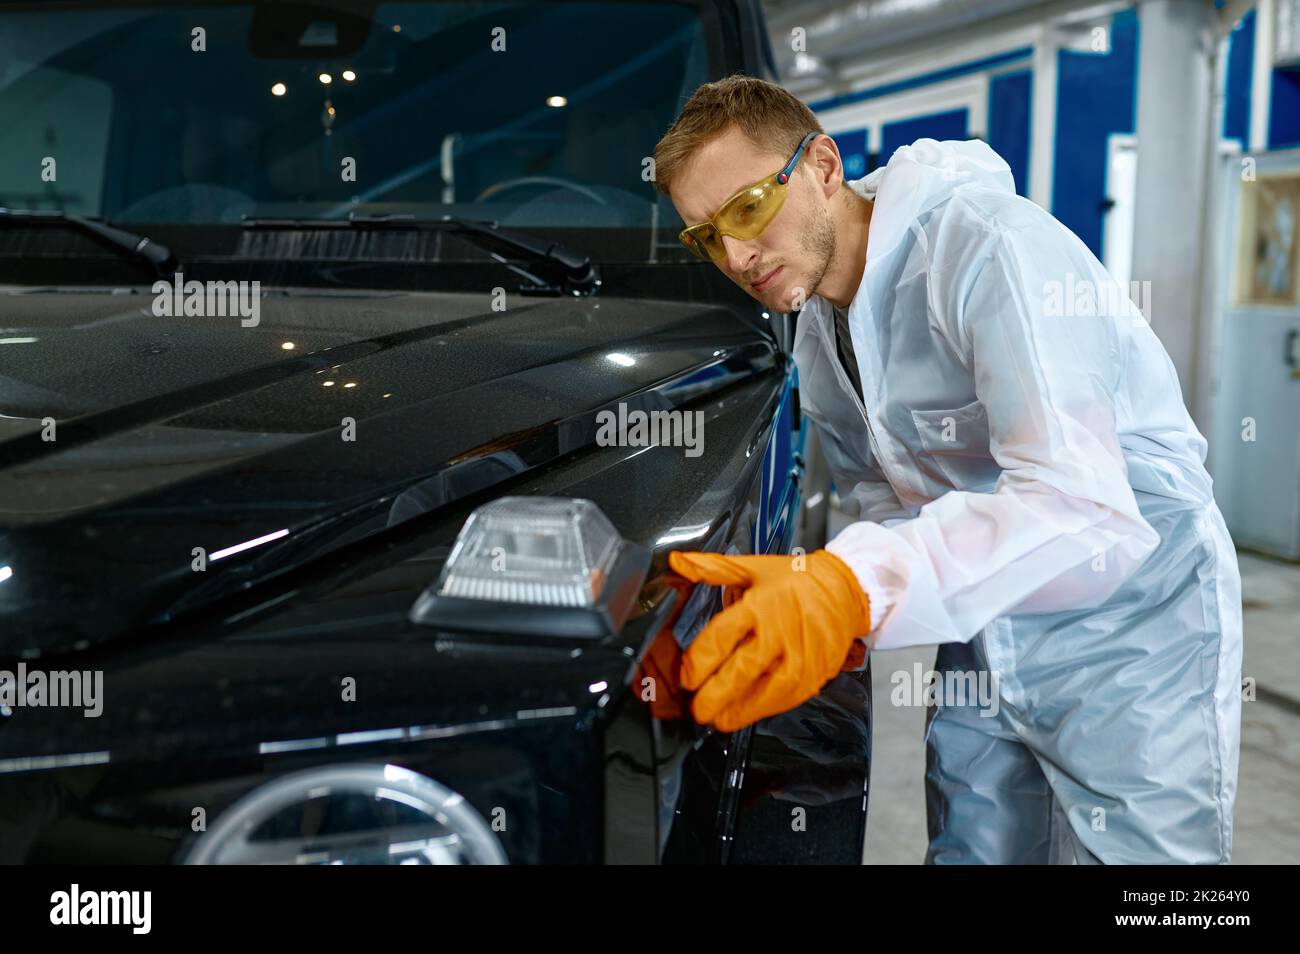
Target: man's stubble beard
x: 818, y: 240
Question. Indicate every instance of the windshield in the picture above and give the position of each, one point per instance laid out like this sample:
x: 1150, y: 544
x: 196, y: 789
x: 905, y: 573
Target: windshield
x: 533, y: 114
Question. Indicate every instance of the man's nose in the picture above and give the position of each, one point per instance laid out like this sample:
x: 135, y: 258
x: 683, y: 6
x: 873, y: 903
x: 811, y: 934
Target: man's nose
x: 740, y: 255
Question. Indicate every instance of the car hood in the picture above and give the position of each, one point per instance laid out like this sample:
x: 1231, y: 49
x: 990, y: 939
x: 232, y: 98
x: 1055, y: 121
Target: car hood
x: 183, y: 458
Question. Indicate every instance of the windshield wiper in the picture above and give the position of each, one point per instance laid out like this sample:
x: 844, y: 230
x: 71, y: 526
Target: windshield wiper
x: 159, y: 257
x: 553, y: 269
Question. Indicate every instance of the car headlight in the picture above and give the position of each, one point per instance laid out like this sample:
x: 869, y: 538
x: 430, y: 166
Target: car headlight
x: 349, y: 814
x: 539, y: 566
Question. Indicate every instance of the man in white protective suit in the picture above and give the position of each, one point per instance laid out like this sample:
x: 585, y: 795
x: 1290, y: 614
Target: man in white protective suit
x: 1031, y: 493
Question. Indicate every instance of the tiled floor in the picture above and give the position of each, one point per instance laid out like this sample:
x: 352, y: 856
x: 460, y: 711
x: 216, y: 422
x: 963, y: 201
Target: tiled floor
x: 1268, y: 798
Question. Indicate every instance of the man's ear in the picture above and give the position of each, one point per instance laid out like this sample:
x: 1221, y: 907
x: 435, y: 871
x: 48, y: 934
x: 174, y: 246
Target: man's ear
x: 826, y: 163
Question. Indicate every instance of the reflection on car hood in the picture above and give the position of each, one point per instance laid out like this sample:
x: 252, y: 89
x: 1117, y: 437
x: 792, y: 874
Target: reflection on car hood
x: 133, y: 445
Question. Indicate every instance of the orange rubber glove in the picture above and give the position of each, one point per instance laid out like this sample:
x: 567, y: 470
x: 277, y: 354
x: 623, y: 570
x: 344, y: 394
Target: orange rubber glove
x: 792, y: 627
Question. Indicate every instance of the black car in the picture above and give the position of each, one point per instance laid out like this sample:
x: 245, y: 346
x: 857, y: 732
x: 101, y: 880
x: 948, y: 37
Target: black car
x: 311, y: 318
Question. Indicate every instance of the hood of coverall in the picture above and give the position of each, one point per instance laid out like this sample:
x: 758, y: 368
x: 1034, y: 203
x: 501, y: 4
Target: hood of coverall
x: 919, y: 177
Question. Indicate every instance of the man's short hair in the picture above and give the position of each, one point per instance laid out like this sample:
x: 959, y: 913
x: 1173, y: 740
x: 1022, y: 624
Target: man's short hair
x: 770, y: 117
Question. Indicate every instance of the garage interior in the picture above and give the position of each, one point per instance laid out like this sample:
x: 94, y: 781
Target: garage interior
x: 1094, y: 107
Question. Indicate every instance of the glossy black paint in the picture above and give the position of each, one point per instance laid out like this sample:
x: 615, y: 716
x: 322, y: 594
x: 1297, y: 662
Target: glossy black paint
x: 249, y: 687
x: 213, y: 438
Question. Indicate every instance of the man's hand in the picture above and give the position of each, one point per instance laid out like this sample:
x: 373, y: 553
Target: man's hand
x: 789, y: 625
x: 662, y: 664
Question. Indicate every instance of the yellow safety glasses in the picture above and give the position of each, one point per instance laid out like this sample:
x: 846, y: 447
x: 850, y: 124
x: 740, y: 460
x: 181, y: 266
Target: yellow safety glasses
x: 746, y: 214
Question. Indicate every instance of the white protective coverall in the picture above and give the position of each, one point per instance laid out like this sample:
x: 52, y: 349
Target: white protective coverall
x: 1032, y: 497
